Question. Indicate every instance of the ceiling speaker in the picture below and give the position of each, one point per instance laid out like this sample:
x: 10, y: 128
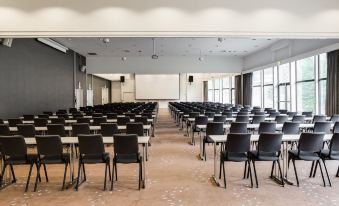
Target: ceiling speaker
x: 122, y: 79
x: 190, y: 79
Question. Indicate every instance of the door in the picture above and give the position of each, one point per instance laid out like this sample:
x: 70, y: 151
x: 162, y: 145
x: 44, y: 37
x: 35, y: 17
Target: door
x: 104, y: 95
x: 79, y: 98
x: 89, y: 97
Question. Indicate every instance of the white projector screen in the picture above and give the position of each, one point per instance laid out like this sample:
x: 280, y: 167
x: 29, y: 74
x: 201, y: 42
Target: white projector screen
x: 157, y: 86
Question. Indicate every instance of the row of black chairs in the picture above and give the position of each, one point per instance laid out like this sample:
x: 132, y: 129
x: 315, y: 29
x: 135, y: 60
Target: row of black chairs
x: 310, y: 148
x: 50, y: 151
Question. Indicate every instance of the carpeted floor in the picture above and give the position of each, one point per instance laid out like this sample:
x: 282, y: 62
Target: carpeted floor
x: 175, y: 176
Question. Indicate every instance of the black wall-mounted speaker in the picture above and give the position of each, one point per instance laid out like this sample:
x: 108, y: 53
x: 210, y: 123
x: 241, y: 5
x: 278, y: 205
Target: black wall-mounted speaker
x: 122, y: 79
x: 190, y: 79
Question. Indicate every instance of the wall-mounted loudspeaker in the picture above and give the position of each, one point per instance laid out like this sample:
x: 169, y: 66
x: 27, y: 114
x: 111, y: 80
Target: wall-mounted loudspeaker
x: 190, y: 79
x: 6, y: 42
x: 122, y: 79
x: 82, y: 63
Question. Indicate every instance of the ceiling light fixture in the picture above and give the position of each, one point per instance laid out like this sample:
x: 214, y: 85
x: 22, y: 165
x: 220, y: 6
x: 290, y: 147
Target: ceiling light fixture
x: 106, y: 40
x: 154, y: 56
x: 124, y: 59
x: 200, y: 57
x: 220, y: 39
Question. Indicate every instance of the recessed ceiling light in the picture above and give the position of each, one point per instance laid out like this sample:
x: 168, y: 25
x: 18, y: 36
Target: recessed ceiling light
x: 254, y: 39
x: 268, y: 39
x: 139, y: 51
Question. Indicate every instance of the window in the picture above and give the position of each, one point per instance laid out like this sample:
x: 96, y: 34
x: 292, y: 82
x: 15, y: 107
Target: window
x: 233, y: 90
x: 322, y: 82
x: 216, y: 90
x: 226, y: 90
x: 306, y: 84
x: 256, y: 88
x: 284, y: 87
x: 268, y: 88
x: 210, y: 94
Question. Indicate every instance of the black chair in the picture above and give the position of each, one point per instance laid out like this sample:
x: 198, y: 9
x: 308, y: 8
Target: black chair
x: 209, y: 114
x: 324, y: 127
x: 309, y: 149
x: 292, y: 114
x: 26, y: 130
x: 97, y: 115
x: 336, y: 127
x: 65, y: 116
x: 142, y: 120
x: 83, y: 120
x: 298, y: 118
x: 14, y: 121
x: 237, y: 148
x: 58, y: 121
x: 148, y: 115
x: 319, y: 118
x: 281, y: 119
x: 283, y: 111
x: 335, y: 118
x: 130, y: 115
x: 242, y: 118
x: 48, y: 113
x: 330, y: 154
x: 56, y: 129
x: 274, y: 114
x: 4, y: 130
x: 43, y: 116
x: 219, y: 119
x: 80, y: 129
x: 135, y: 128
x: 112, y: 115
x: 212, y: 128
x: 40, y: 122
x: 242, y: 113
x: 256, y: 119
x: 307, y: 114
x: 268, y: 149
x: 259, y: 113
x: 92, y: 151
x: 199, y: 120
x: 109, y: 129
x: 290, y: 128
x: 99, y: 120
x: 238, y: 127
x: 126, y: 151
x: 28, y: 117
x: 123, y: 120
x: 267, y: 127
x: 50, y: 151
x: 14, y: 152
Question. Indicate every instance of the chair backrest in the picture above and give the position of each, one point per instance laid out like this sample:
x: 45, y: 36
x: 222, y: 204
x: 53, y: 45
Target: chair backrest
x: 65, y: 116
x: 283, y: 111
x: 269, y: 143
x: 244, y: 113
x: 123, y: 120
x: 274, y: 114
x: 307, y: 114
x: 98, y: 120
x: 13, y: 146
x: 91, y: 144
x: 259, y: 113
x: 335, y: 118
x: 227, y: 114
x: 148, y: 115
x: 256, y: 119
x: 291, y: 114
x: 97, y: 115
x: 126, y: 146
x: 4, y: 130
x: 130, y: 115
x: 112, y: 115
x: 109, y: 129
x: 298, y: 118
x: 336, y: 127
x: 40, y: 122
x: 290, y: 128
x: 28, y: 117
x: 84, y: 120
x: 135, y: 128
x: 215, y: 128
x: 281, y: 119
x: 201, y: 120
x: 14, y: 121
x: 26, y: 130
x: 322, y: 127
x: 334, y: 145
x: 49, y: 145
x: 242, y: 118
x: 80, y: 128
x: 219, y: 119
x: 209, y: 114
x: 238, y: 127
x: 310, y: 142
x: 142, y: 120
x: 193, y: 114
x: 58, y: 120
x: 267, y: 127
x: 319, y: 118
x: 238, y: 143
x: 56, y: 129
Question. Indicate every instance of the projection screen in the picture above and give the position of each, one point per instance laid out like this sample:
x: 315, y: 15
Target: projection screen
x: 157, y: 86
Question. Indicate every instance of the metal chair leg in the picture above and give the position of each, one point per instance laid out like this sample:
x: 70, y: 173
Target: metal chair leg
x: 328, y: 177
x: 337, y: 175
x: 2, y: 174
x: 78, y: 178
x: 295, y: 172
x: 29, y: 176
x: 315, y: 168
x: 250, y: 172
x: 45, y: 169
x: 37, y: 177
x: 245, y: 170
x: 255, y: 173
x: 64, y: 180
x: 273, y: 164
x: 109, y: 172
x: 322, y: 174
x: 83, y: 168
x: 105, y: 177
x: 223, y: 169
x: 13, y: 174
x: 281, y: 175
x: 312, y: 169
x: 112, y: 180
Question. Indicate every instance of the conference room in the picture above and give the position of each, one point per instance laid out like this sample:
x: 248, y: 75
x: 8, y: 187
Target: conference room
x: 160, y: 103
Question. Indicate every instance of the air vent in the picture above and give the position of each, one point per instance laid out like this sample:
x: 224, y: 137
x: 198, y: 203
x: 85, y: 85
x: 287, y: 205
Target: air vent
x: 92, y: 53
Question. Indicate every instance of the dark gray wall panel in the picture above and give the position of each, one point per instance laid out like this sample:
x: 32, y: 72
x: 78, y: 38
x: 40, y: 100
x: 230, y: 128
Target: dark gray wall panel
x: 34, y: 78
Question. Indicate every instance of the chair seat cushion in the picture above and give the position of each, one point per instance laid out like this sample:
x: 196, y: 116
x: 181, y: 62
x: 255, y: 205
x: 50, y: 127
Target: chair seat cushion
x: 18, y: 160
x: 127, y: 158
x: 307, y: 156
x: 96, y: 158
x: 207, y: 139
x: 263, y: 156
x: 234, y: 157
x: 55, y: 159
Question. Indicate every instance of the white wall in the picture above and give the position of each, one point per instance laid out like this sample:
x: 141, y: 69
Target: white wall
x: 164, y: 65
x: 288, y: 18
x: 284, y: 50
